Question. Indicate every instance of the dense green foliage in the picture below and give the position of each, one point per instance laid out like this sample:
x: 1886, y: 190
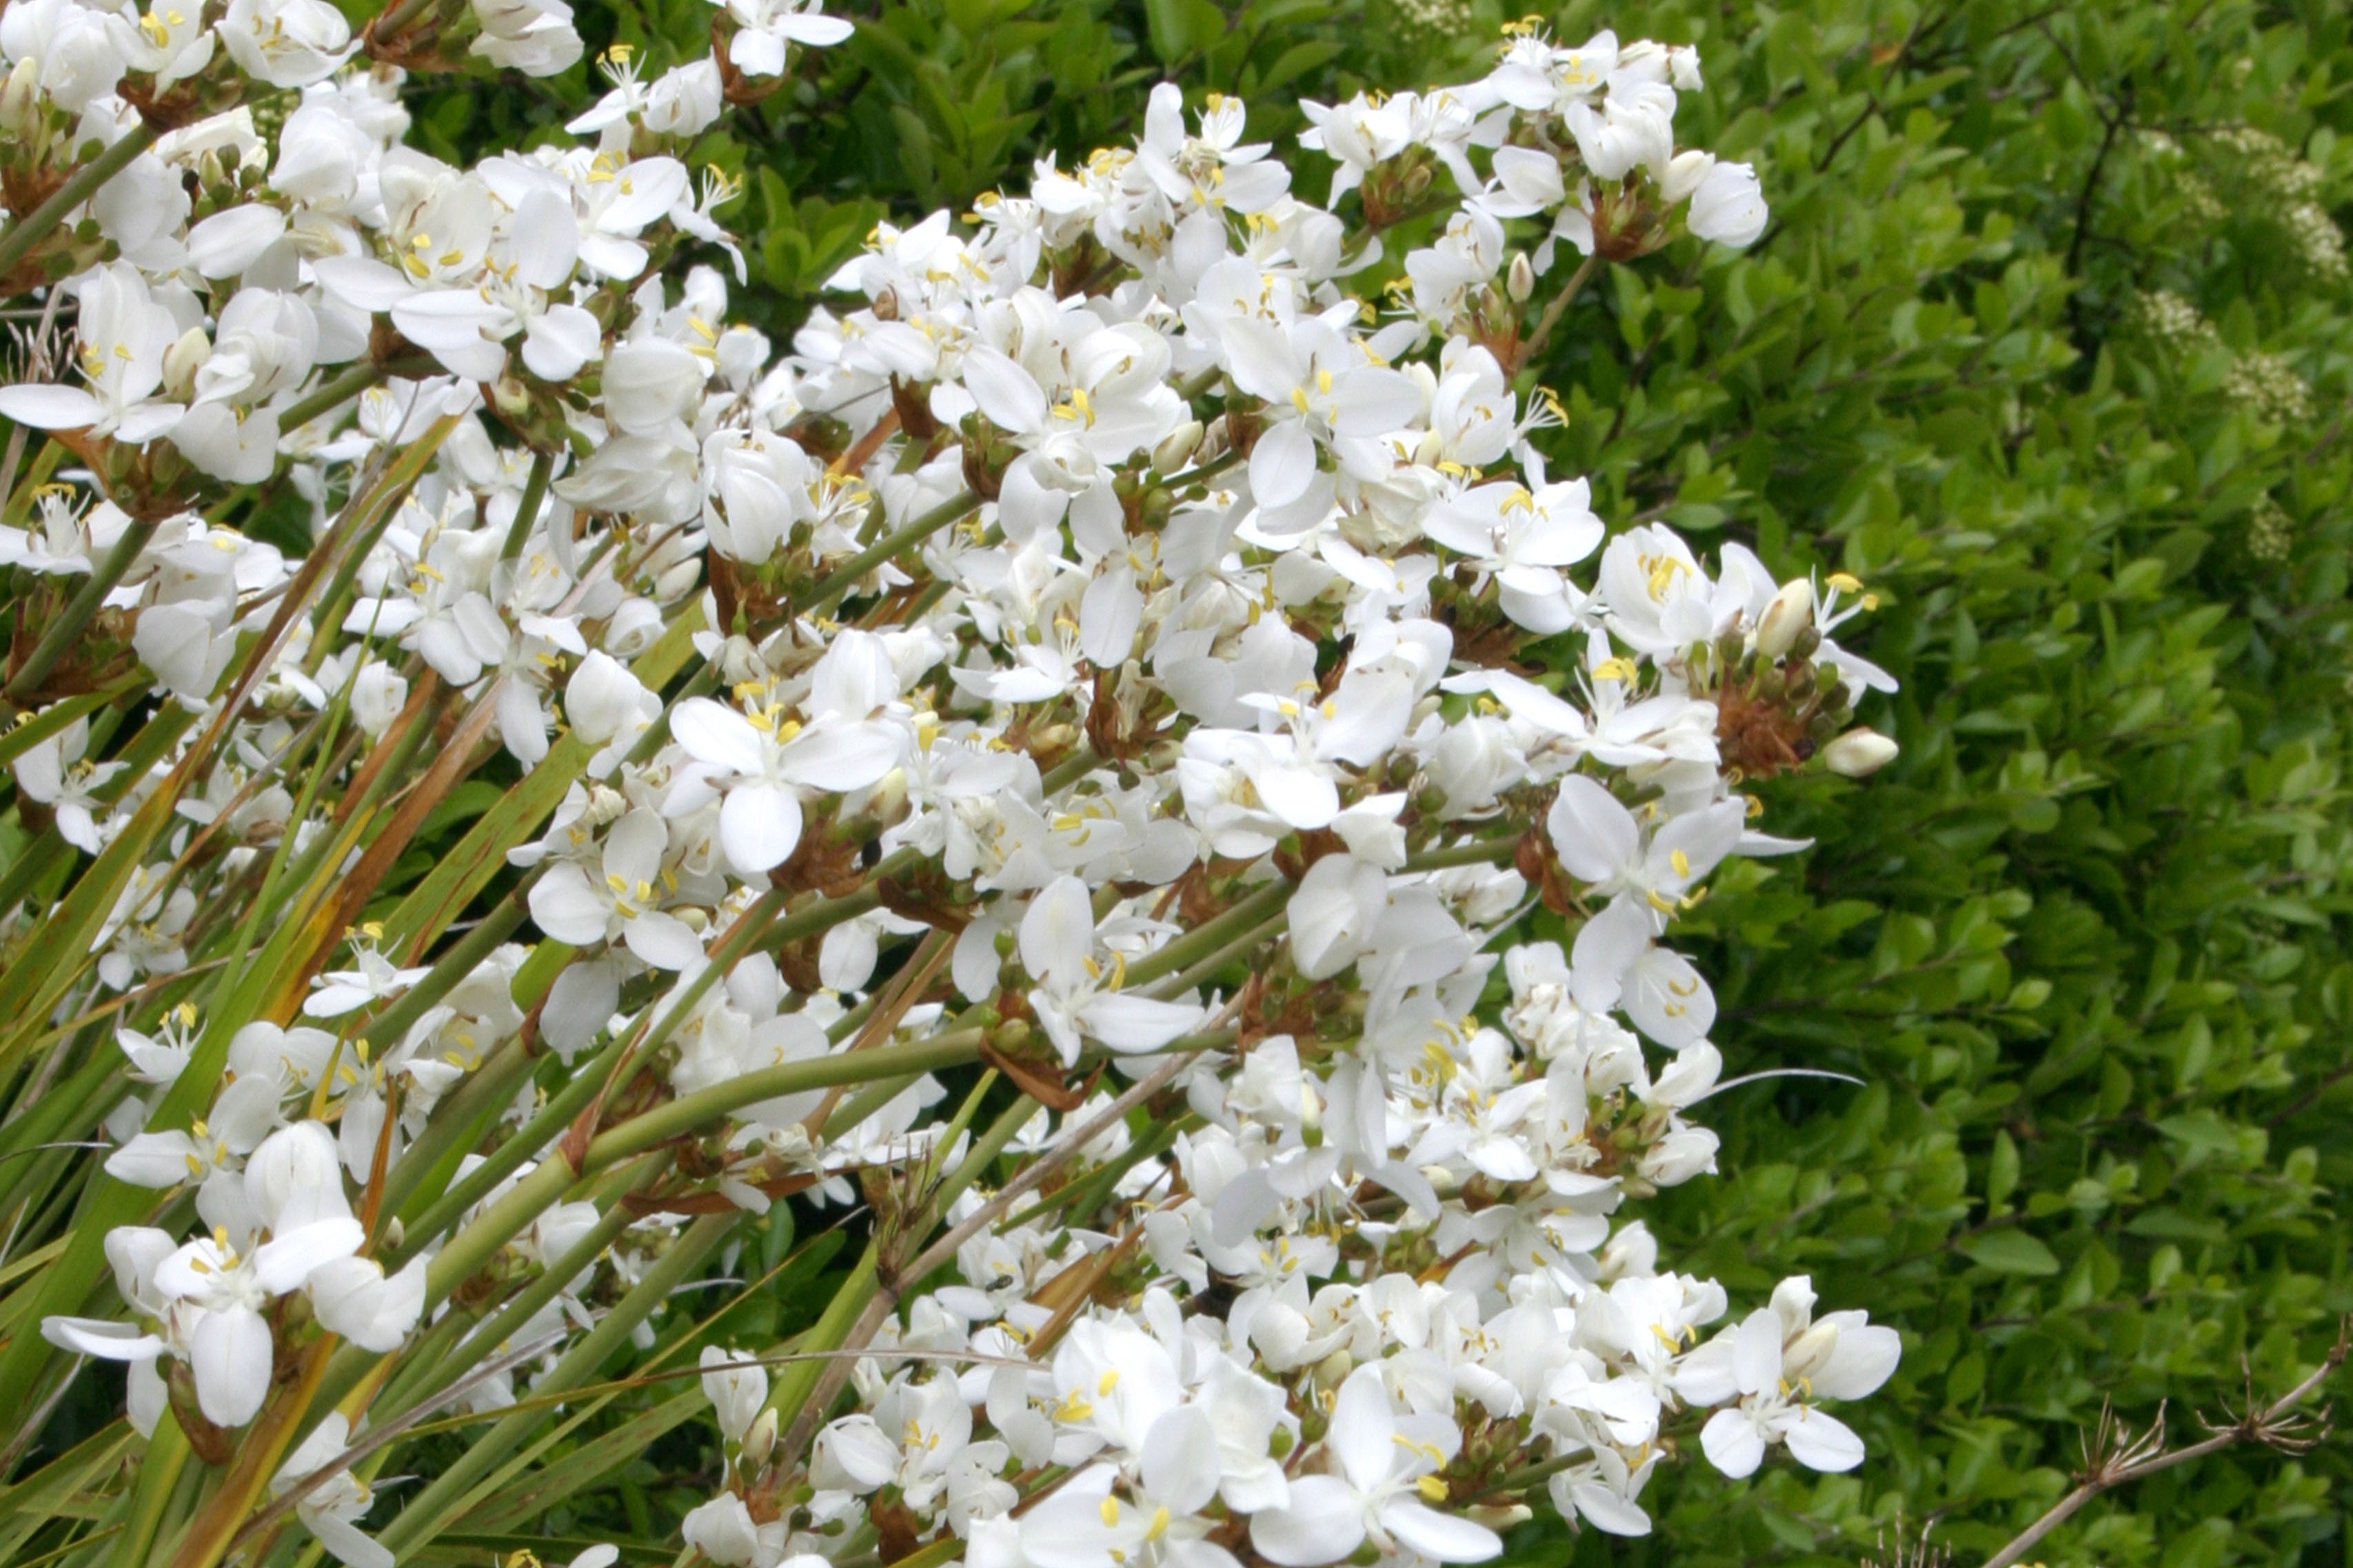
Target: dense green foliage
x: 2048, y: 346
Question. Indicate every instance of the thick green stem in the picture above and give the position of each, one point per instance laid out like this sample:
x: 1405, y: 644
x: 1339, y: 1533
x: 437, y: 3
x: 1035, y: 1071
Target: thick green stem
x: 1265, y: 931
x: 706, y: 1107
x: 586, y: 1080
x: 1211, y: 934
x: 1480, y: 852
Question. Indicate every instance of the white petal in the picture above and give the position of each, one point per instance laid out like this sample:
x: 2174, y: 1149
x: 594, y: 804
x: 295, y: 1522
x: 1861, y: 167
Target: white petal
x: 1757, y: 1352
x: 1822, y: 1442
x: 663, y: 941
x: 1180, y: 1465
x: 1283, y: 464
x: 98, y: 1337
x: 1607, y: 1511
x: 546, y: 239
x: 559, y: 341
x: 1362, y: 1427
x: 346, y: 1542
x: 1008, y: 394
x: 231, y: 1354
x: 1594, y: 836
x: 1669, y: 1000
x: 1865, y: 1357
x: 1058, y: 934
x: 716, y: 734
x: 285, y: 1262
x: 1732, y: 1444
x: 1448, y: 1537
x: 49, y: 407
x: 361, y: 281
x: 579, y: 1005
x: 760, y: 826
x: 839, y: 758
x: 1136, y: 1023
x: 564, y: 906
x: 228, y: 242
x: 1324, y: 1523
x: 1606, y: 948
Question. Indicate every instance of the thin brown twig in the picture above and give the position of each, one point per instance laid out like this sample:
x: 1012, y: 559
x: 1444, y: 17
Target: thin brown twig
x: 1553, y: 312
x: 2114, y: 1457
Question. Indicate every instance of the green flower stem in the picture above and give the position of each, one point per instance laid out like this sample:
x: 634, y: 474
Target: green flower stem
x: 429, y: 1510
x: 581, y: 1088
x: 1211, y: 934
x: 1265, y: 931
x: 534, y: 493
x: 1482, y: 852
x: 85, y: 182
x: 796, y: 1380
x: 586, y: 1079
x: 865, y: 1103
x: 846, y: 577
x: 159, y: 1477
x: 806, y: 1389
x: 458, y: 1124
x: 705, y: 1108
x: 336, y: 389
x: 447, y: 1369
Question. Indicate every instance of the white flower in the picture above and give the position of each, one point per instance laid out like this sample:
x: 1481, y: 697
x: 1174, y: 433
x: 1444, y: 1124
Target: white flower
x: 764, y: 28
x: 286, y: 43
x: 1077, y: 996
x: 736, y: 1392
x: 1779, y: 1362
x: 330, y: 1509
x: 56, y: 773
x: 571, y: 905
x: 1383, y: 1481
x: 761, y: 761
x: 125, y: 336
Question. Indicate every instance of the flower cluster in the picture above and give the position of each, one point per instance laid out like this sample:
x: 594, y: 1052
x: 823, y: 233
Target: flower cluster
x: 1099, y: 643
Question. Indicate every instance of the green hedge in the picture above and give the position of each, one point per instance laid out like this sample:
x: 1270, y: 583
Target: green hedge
x: 2049, y: 343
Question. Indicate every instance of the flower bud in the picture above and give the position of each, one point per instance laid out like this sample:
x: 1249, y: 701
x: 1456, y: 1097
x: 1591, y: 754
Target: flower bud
x: 20, y: 96
x: 1683, y: 174
x: 378, y: 694
x: 1791, y: 612
x: 760, y: 1441
x: 1810, y: 1352
x: 1181, y: 443
x: 1858, y: 753
x: 1520, y: 283
x: 293, y: 1161
x: 678, y: 581
x: 181, y: 359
